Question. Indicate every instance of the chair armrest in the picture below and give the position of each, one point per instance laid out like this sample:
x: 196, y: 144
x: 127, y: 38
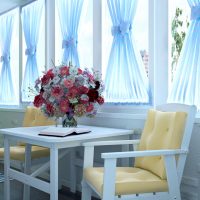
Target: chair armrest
x: 89, y: 149
x: 113, y: 142
x: 164, y: 152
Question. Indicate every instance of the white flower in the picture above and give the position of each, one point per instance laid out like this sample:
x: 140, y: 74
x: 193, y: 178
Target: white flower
x: 73, y: 70
x: 56, y: 79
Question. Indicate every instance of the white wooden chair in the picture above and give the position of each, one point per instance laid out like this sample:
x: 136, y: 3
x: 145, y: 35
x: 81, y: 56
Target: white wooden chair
x: 159, y: 159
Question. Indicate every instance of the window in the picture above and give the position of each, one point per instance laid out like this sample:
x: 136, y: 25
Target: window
x: 179, y: 19
x: 33, y: 43
x: 151, y: 30
x: 123, y: 70
x: 11, y: 32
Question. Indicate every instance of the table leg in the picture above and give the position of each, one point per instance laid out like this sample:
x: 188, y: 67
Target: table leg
x: 73, y: 170
x: 27, y: 170
x: 53, y: 173
x: 6, y: 168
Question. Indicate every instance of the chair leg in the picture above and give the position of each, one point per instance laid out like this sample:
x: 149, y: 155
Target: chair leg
x: 27, y: 170
x: 86, y: 191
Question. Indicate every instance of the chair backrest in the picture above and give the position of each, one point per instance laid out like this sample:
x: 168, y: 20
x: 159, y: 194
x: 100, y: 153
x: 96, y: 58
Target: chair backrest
x: 34, y: 117
x: 167, y: 127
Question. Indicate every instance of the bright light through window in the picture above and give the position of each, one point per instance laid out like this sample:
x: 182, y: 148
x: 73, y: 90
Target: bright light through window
x: 85, y: 36
x: 179, y: 18
x: 140, y: 33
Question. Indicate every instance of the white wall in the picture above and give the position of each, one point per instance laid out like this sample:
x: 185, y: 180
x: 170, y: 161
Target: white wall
x: 191, y: 180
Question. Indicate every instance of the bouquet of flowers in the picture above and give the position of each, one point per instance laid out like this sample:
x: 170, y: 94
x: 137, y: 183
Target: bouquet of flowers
x: 68, y: 91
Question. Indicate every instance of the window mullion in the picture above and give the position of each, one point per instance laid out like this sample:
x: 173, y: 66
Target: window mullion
x: 97, y: 35
x: 50, y: 32
x: 20, y: 56
x: 160, y: 91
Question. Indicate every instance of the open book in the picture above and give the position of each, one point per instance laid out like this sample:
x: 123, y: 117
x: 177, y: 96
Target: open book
x: 62, y: 132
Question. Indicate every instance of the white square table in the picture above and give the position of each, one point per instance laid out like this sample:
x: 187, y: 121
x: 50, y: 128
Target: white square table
x: 30, y: 136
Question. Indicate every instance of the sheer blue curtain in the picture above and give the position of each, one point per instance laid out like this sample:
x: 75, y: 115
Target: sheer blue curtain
x: 69, y: 14
x: 126, y: 80
x: 31, y: 17
x: 6, y: 84
x: 186, y: 85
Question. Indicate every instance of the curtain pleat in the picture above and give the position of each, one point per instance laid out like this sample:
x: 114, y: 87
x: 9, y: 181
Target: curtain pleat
x: 69, y: 14
x: 186, y: 84
x: 7, y: 94
x: 31, y: 18
x: 126, y: 80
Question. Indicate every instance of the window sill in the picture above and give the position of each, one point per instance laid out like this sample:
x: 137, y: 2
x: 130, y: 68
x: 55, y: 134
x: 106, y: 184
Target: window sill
x: 136, y: 113
x: 11, y: 108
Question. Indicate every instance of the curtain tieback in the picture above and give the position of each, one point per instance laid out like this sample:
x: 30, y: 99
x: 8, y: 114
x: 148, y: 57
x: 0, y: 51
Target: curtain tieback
x: 31, y: 51
x: 5, y: 58
x: 122, y: 29
x: 69, y: 43
x: 195, y: 13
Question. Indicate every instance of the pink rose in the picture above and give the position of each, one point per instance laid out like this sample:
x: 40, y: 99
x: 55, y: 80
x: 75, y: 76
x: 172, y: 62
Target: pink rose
x: 72, y: 92
x: 64, y: 105
x: 68, y: 83
x: 83, y: 90
x: 64, y: 71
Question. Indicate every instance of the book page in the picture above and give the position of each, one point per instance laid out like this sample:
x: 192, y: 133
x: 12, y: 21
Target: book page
x: 62, y: 131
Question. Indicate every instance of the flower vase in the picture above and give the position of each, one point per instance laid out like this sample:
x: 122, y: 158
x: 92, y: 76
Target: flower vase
x: 69, y: 121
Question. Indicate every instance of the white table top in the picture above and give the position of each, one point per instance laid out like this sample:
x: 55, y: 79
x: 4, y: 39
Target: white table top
x: 30, y: 135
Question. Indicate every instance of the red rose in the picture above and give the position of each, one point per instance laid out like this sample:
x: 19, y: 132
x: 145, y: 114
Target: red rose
x: 83, y: 90
x: 49, y: 108
x: 57, y: 92
x: 97, y: 85
x: 38, y: 101
x: 93, y: 95
x: 80, y: 71
x: 100, y: 100
x: 45, y: 79
x: 89, y: 108
x: 50, y: 73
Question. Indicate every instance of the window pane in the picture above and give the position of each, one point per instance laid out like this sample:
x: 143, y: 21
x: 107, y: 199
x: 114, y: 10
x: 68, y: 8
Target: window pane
x: 40, y: 51
x: 140, y: 33
x: 179, y: 17
x: 85, y: 35
x: 140, y: 45
x: 14, y: 58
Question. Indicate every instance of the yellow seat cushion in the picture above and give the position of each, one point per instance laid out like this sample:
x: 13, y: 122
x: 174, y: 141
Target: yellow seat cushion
x: 129, y: 180
x: 18, y: 152
x: 34, y: 117
x: 162, y: 130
